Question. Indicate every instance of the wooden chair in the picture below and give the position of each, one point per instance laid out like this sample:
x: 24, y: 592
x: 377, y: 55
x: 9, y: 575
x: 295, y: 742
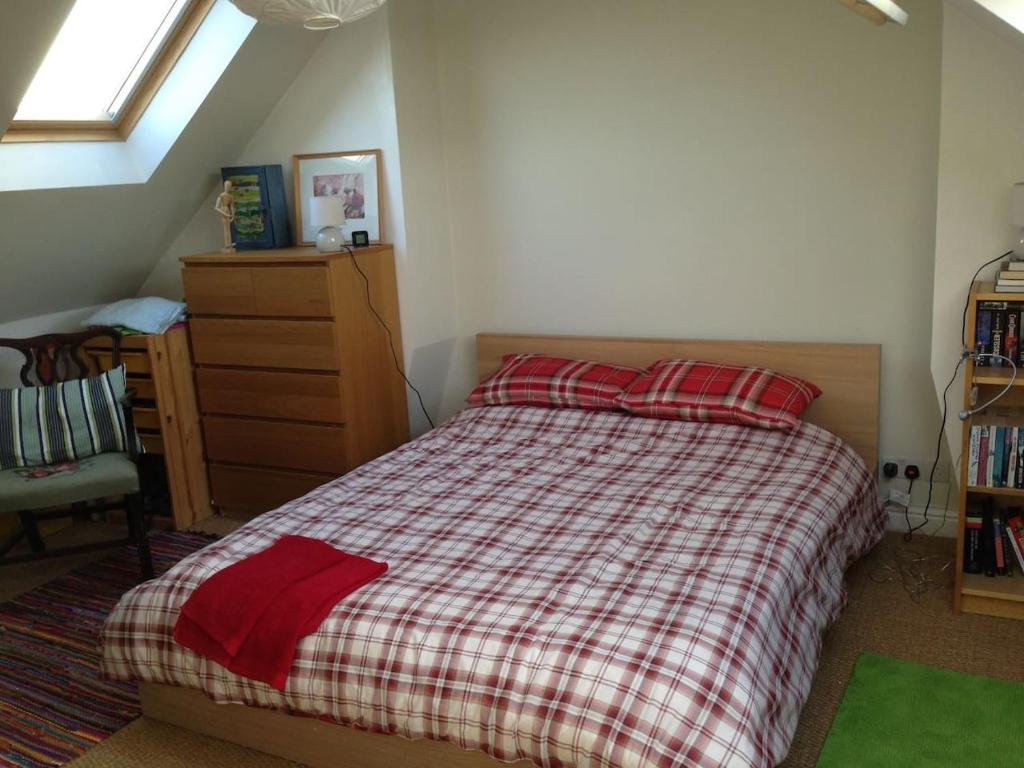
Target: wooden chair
x: 50, y: 359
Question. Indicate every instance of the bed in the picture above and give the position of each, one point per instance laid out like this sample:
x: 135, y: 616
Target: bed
x: 566, y: 587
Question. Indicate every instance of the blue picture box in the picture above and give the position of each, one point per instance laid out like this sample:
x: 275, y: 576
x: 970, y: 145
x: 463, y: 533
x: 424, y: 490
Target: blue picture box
x: 261, y: 215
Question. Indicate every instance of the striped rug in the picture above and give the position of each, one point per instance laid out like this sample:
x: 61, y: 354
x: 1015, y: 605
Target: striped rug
x: 53, y: 706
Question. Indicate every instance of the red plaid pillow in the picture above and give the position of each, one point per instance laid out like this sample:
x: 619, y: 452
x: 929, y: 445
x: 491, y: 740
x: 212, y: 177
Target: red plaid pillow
x: 554, y: 382
x: 689, y: 390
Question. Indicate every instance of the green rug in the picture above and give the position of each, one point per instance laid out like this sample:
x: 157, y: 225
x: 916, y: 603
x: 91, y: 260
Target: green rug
x: 901, y: 715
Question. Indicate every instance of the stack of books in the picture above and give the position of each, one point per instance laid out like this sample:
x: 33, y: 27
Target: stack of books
x: 996, y: 456
x: 997, y: 332
x: 994, y: 540
x: 1011, y: 277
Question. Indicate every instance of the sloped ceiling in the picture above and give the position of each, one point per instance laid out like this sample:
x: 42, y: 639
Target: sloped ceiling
x: 67, y: 248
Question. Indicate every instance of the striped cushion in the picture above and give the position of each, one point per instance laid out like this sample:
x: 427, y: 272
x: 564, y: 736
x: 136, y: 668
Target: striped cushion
x: 63, y: 422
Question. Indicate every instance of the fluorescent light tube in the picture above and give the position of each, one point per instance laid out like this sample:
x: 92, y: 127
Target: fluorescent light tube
x: 879, y: 11
x: 890, y: 9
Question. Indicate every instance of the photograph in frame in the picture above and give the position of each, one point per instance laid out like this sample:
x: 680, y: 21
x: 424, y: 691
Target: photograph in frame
x: 353, y: 176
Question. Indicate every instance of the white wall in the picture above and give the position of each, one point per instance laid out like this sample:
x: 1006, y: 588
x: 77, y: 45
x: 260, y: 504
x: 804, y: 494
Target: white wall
x: 981, y: 156
x: 430, y: 302
x: 708, y: 169
x: 342, y: 100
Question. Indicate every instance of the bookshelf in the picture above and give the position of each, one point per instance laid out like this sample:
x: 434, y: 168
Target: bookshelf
x: 976, y: 593
x: 982, y: 489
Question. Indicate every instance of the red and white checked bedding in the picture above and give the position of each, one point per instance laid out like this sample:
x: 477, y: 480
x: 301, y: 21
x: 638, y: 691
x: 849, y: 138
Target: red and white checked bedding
x: 578, y: 588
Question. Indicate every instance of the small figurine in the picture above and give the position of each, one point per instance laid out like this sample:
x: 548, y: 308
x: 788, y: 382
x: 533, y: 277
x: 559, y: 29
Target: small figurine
x: 225, y: 206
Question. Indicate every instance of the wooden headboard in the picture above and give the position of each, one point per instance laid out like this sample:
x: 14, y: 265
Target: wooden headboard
x: 847, y: 374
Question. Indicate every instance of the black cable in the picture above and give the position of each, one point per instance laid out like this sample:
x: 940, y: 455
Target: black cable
x: 906, y: 507
x: 938, y: 452
x: 967, y: 304
x: 391, y: 339
x: 911, y: 529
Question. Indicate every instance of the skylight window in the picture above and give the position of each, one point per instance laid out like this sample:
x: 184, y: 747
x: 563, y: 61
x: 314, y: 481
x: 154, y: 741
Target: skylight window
x: 98, y: 58
x: 103, y: 68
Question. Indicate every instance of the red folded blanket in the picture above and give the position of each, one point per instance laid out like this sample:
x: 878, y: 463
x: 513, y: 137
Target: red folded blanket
x: 250, y: 616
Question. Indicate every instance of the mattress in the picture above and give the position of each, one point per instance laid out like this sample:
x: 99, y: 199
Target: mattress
x: 575, y: 588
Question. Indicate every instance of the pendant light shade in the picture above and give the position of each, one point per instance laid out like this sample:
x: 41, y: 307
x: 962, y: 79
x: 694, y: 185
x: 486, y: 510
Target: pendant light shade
x: 311, y: 14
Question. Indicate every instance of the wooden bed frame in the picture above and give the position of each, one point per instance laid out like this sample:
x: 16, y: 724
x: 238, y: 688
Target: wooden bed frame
x: 848, y: 375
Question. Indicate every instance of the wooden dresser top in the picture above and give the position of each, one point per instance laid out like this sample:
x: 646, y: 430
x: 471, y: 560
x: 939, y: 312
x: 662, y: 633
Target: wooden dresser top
x: 306, y: 255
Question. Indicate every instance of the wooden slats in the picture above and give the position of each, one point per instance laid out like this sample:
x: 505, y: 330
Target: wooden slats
x: 166, y: 414
x: 135, y: 363
x: 153, y: 443
x: 146, y: 418
x: 144, y: 388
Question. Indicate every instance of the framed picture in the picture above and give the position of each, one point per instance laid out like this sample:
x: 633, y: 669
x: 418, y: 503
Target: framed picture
x: 353, y: 176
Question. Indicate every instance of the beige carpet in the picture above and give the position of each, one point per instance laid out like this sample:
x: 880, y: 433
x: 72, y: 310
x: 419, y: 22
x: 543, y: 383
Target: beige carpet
x: 883, y: 616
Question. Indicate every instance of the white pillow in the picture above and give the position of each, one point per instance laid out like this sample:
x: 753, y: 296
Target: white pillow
x: 147, y: 315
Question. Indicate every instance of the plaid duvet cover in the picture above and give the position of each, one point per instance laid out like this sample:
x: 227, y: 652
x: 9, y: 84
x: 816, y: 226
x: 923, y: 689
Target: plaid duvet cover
x: 573, y: 587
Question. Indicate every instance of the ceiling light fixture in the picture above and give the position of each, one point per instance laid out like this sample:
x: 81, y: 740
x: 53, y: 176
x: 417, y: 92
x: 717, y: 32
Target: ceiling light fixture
x: 879, y: 11
x: 316, y: 15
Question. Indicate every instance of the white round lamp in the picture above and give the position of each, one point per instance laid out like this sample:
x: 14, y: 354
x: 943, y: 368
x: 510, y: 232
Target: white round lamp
x: 329, y: 214
x: 316, y: 15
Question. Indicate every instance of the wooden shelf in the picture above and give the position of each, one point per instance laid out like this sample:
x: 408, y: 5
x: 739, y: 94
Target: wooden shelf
x: 996, y: 588
x: 994, y: 491
x: 987, y: 292
x: 997, y: 376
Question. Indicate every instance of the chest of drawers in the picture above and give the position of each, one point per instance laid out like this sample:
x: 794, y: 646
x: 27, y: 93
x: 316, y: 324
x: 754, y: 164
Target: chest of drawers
x: 295, y: 376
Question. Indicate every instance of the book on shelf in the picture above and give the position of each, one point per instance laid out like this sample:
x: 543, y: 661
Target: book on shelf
x: 983, y: 431
x: 1015, y: 534
x: 983, y: 333
x: 997, y: 544
x: 993, y: 539
x: 1011, y: 472
x: 997, y: 331
x: 997, y: 448
x: 1009, y: 271
x: 973, y: 460
x: 1009, y: 558
x: 972, y: 542
x: 988, y: 537
x: 995, y: 456
x: 1011, y: 338
x: 990, y: 467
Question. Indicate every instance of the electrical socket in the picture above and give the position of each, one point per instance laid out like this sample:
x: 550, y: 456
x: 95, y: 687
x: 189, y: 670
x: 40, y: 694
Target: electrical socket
x: 942, y: 469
